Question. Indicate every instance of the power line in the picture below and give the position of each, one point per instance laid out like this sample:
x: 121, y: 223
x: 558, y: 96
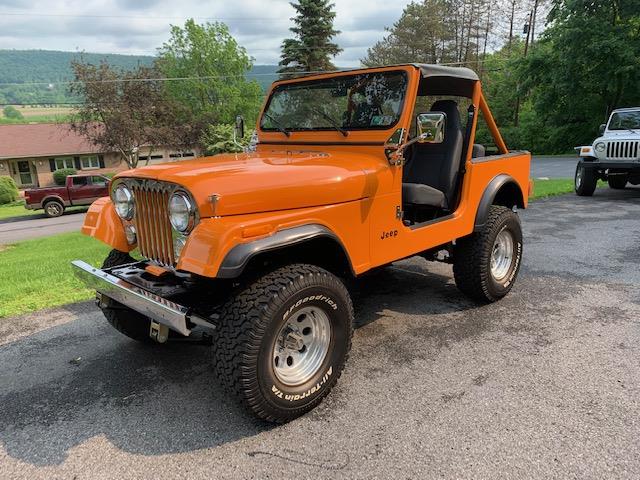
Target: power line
x: 222, y: 77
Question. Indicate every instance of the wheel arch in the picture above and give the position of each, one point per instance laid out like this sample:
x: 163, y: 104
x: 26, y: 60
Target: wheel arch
x: 49, y: 198
x: 312, y: 243
x: 502, y: 190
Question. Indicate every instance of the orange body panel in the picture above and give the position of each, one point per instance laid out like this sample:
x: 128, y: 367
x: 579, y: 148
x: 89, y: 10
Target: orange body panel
x: 102, y: 222
x: 344, y: 184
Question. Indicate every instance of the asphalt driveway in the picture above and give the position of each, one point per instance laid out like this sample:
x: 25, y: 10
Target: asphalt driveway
x: 545, y: 383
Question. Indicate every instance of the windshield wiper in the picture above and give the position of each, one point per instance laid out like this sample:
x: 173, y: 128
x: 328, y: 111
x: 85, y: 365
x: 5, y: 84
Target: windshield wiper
x: 333, y: 123
x: 278, y: 126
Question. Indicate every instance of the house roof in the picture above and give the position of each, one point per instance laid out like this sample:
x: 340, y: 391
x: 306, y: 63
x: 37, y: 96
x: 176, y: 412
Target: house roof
x: 42, y: 140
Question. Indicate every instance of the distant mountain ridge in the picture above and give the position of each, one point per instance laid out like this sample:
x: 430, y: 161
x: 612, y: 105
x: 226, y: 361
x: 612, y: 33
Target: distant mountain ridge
x: 51, y: 66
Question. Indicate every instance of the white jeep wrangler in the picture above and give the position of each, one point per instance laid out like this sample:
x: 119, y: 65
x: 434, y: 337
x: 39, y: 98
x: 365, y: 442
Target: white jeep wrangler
x: 614, y: 156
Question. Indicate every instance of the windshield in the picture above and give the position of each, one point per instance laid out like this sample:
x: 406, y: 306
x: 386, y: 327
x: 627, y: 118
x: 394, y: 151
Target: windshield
x: 352, y: 102
x: 625, y: 121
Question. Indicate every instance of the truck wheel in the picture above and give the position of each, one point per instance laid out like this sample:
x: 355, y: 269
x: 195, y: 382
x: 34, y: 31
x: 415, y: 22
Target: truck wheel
x: 617, y: 181
x: 585, y: 180
x: 486, y: 263
x: 127, y: 321
x: 282, y: 342
x: 53, y: 208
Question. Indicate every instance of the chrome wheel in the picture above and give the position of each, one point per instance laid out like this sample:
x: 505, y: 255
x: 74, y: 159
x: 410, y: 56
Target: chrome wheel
x: 301, y: 345
x: 54, y: 209
x: 502, y: 255
x: 578, y: 177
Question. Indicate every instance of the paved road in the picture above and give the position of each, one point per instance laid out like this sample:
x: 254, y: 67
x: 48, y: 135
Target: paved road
x: 553, y: 167
x: 545, y: 383
x: 39, y: 226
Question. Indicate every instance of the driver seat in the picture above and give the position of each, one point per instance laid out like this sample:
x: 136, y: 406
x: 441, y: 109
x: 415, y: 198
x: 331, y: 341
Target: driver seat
x: 429, y: 177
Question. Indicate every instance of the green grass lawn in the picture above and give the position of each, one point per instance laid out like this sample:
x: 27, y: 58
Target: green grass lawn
x: 36, y: 274
x: 555, y: 186
x: 16, y: 209
x: 551, y: 187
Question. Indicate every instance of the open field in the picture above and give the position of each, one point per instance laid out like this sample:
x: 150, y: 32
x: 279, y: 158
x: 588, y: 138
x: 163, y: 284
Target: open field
x: 39, y: 115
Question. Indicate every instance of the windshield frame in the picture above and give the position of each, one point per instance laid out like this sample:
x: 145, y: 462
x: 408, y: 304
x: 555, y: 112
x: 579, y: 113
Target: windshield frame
x: 622, y: 129
x: 318, y: 79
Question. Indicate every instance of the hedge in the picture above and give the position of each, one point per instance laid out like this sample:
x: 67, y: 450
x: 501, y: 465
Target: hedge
x: 8, y: 190
x: 60, y: 176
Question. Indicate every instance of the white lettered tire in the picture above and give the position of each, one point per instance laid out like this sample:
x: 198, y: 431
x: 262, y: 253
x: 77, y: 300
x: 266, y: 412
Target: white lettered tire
x: 283, y: 341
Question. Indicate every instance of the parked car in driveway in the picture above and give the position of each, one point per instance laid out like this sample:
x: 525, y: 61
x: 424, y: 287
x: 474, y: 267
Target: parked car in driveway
x: 614, y: 156
x: 78, y: 190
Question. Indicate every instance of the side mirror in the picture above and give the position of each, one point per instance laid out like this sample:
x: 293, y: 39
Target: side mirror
x: 602, y: 128
x: 239, y: 128
x: 430, y: 127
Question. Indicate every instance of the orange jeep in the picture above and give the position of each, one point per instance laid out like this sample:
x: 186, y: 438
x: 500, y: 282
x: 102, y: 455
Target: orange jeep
x: 351, y: 170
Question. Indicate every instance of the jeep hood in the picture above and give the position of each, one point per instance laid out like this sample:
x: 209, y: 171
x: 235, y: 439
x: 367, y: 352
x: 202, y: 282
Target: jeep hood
x: 262, y: 182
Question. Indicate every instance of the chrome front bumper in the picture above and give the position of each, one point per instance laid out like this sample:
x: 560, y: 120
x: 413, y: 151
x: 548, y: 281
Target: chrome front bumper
x: 176, y: 317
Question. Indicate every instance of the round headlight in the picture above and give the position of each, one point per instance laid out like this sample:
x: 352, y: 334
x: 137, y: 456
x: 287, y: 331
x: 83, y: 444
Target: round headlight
x: 181, y: 213
x: 123, y: 202
x: 600, y: 146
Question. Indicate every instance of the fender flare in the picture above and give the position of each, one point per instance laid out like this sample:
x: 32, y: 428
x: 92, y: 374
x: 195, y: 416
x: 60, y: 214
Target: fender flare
x: 239, y: 256
x: 48, y: 198
x: 489, y: 196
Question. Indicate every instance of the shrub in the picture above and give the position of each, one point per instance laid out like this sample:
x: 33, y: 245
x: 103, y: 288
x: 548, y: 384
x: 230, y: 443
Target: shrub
x: 12, y: 112
x: 219, y: 139
x: 60, y: 176
x: 8, y: 190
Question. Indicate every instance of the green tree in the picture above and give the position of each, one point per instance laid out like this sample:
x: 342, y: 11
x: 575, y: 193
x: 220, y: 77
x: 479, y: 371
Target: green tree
x: 211, y: 69
x: 312, y: 49
x: 124, y: 111
x: 586, y: 64
x: 12, y: 113
x: 436, y: 31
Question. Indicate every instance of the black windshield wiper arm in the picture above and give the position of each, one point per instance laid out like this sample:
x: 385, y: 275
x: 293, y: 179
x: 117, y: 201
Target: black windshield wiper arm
x: 278, y: 126
x: 333, y: 123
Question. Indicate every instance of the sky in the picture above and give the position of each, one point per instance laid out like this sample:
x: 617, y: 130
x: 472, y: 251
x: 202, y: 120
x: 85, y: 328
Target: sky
x: 140, y: 26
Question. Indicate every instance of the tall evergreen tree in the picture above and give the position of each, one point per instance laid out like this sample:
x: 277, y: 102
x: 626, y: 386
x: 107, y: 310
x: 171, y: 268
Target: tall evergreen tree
x: 312, y: 49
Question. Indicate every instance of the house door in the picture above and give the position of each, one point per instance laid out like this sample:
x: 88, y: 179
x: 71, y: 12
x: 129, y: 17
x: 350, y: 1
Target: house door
x: 24, y: 172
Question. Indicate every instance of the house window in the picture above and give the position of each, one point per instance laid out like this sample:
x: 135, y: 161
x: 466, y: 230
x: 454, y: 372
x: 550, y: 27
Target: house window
x: 90, y: 162
x: 64, y: 162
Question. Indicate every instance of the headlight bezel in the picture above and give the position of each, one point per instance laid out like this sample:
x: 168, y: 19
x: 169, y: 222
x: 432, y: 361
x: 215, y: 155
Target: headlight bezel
x: 128, y: 193
x: 600, y: 147
x: 189, y: 211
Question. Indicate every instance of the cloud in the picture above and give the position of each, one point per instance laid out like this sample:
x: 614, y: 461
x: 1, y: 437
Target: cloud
x: 141, y: 26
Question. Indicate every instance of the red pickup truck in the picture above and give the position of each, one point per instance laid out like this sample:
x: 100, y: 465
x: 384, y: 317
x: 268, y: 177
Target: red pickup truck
x: 79, y: 190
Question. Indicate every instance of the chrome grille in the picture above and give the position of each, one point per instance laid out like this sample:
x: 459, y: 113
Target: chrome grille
x: 623, y: 149
x: 153, y: 229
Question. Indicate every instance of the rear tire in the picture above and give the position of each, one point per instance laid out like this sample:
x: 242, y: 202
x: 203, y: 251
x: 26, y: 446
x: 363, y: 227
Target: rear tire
x: 127, y: 321
x: 486, y: 263
x: 585, y: 180
x: 617, y: 181
x: 53, y: 208
x: 283, y: 341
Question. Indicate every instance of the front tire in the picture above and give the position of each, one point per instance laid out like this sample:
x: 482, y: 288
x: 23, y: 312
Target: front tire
x: 585, y: 180
x: 617, y: 181
x: 486, y: 263
x: 127, y: 321
x: 282, y: 342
